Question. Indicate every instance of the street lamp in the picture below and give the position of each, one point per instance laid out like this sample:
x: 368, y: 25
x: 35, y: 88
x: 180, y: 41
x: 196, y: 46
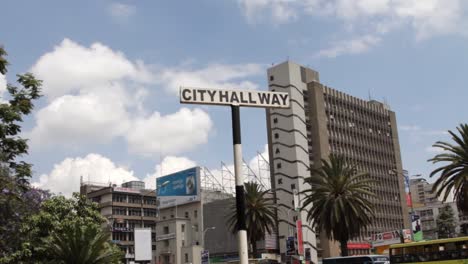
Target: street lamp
x: 203, y: 235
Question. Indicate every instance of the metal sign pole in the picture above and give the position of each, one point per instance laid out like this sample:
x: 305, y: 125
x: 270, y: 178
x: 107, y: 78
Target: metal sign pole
x: 240, y: 197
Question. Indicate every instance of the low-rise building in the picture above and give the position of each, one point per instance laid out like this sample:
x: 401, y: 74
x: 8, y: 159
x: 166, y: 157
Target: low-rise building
x: 125, y: 207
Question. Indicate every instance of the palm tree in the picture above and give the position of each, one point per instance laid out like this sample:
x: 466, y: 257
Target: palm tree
x: 259, y: 214
x: 339, y: 200
x: 82, y: 244
x: 454, y: 174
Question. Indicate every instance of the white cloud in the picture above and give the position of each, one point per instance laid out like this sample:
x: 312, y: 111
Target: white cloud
x: 95, y: 95
x: 72, y: 120
x: 427, y: 18
x: 65, y: 176
x: 212, y: 76
x: 168, y: 165
x: 3, y: 86
x: 280, y: 11
x: 169, y: 134
x: 71, y: 67
x: 121, y: 11
x: 351, y: 46
x: 409, y: 128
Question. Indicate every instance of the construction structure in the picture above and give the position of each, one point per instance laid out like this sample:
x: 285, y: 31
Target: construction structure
x: 322, y: 121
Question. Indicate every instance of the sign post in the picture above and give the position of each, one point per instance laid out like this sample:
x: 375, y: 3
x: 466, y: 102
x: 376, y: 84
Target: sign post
x: 235, y: 99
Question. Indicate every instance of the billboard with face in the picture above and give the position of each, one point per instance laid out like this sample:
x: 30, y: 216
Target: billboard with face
x: 179, y: 188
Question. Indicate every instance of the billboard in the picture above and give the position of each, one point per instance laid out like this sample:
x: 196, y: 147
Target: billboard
x: 143, y: 244
x: 391, y: 237
x: 179, y: 188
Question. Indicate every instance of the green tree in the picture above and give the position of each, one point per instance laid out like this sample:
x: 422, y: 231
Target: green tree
x: 454, y: 173
x: 259, y: 214
x: 446, y: 222
x: 82, y: 244
x: 12, y: 146
x: 339, y: 200
x: 56, y: 216
x: 16, y: 202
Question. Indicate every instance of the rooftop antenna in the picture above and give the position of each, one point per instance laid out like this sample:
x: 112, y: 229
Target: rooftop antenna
x: 370, y: 96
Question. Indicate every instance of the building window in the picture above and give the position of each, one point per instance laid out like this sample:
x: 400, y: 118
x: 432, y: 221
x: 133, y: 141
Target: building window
x: 186, y: 257
x: 275, y: 120
x: 293, y: 186
x: 166, y: 230
x: 134, y: 199
x: 195, y: 228
x: 276, y: 135
x: 153, y: 247
x: 278, y: 165
x: 134, y: 211
x: 119, y: 198
x: 186, y: 215
x: 149, y: 212
x: 119, y: 211
x: 272, y: 78
x: 195, y: 213
x: 183, y: 228
x: 280, y: 181
x: 277, y: 151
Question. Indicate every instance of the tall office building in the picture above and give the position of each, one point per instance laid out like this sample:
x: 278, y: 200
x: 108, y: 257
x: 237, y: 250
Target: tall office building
x: 321, y: 121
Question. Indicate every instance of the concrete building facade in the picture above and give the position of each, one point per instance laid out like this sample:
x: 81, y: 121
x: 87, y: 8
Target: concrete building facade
x: 321, y: 121
x: 181, y: 230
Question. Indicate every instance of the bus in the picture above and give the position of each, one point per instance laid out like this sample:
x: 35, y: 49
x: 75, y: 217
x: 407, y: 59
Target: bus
x: 443, y: 251
x: 365, y: 259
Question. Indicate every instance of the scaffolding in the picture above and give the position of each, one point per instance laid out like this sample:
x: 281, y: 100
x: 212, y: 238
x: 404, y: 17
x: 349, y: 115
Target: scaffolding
x: 224, y: 180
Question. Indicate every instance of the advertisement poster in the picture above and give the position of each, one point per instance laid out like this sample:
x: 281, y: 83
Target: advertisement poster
x: 417, y: 230
x: 178, y: 188
x: 290, y: 246
x: 205, y: 257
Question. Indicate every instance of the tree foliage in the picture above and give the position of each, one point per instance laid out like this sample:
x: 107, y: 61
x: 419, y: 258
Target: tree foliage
x: 446, y: 222
x: 82, y: 244
x: 12, y: 146
x: 53, y: 224
x: 339, y: 200
x: 454, y: 174
x: 259, y: 214
x: 17, y: 199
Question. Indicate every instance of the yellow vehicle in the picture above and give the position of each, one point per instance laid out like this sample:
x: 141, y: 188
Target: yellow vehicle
x: 443, y: 251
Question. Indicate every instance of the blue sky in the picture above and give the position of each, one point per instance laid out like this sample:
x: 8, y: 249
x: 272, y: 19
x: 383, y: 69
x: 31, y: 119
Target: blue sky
x: 111, y: 71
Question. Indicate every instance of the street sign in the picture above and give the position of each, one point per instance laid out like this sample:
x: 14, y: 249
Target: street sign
x: 235, y: 99
x: 252, y: 98
x: 205, y: 257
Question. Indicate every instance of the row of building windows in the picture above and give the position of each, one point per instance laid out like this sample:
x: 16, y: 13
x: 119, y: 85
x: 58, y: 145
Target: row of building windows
x: 135, y: 199
x: 134, y: 211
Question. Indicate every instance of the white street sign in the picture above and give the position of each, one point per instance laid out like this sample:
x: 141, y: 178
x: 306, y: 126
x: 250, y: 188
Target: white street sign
x: 252, y: 98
